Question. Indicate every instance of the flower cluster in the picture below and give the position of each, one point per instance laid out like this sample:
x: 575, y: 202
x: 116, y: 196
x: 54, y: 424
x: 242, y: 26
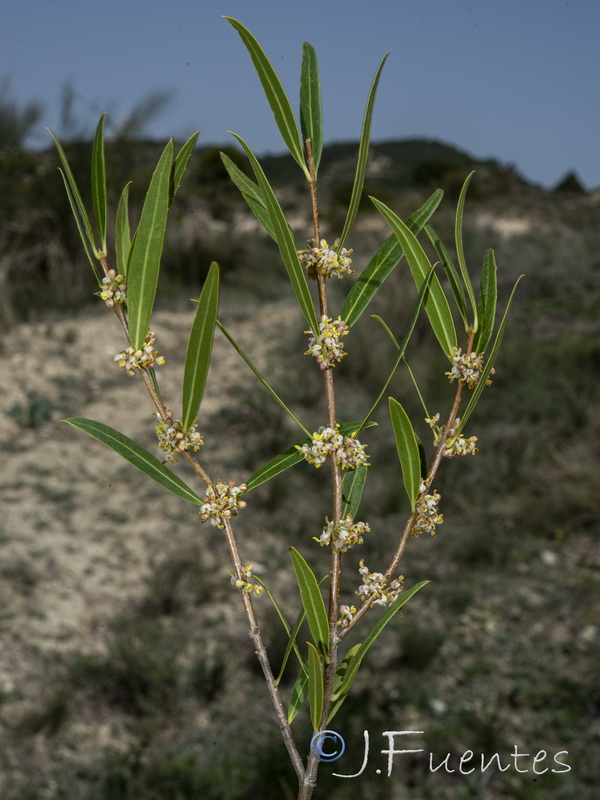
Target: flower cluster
x: 375, y: 588
x: 344, y: 535
x: 145, y: 358
x: 326, y: 346
x: 173, y: 440
x: 325, y: 261
x: 466, y: 367
x: 348, y: 452
x: 245, y: 582
x: 346, y: 615
x: 221, y: 502
x: 455, y: 444
x: 427, y: 512
x: 114, y: 289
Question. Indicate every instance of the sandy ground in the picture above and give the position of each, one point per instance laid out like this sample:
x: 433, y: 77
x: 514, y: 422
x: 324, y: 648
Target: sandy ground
x: 79, y: 526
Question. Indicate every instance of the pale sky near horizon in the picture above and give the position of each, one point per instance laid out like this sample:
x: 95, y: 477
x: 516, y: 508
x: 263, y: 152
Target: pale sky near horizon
x: 515, y: 80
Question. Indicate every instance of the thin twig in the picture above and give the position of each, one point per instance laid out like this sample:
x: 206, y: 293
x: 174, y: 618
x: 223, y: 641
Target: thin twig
x: 437, y: 459
x: 253, y: 628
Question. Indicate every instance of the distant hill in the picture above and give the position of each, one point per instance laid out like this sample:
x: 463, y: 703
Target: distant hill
x: 397, y: 165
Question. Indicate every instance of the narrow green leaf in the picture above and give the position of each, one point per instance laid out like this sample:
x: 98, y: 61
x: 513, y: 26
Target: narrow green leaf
x: 146, y: 250
x: 137, y: 455
x: 489, y: 363
x: 291, y: 645
x: 340, y: 674
x: 291, y: 632
x: 154, y: 379
x: 354, y: 665
x: 386, y: 328
x: 275, y: 93
x: 299, y: 694
x: 342, y: 669
x: 451, y: 273
x: 353, y: 484
x: 267, y: 386
x: 285, y: 241
x: 408, y: 450
x: 315, y: 686
x: 384, y: 262
x: 180, y: 164
x: 199, y: 349
x: 312, y: 602
x: 251, y: 194
x: 486, y: 303
x: 291, y: 457
x: 311, y: 107
x: 401, y: 348
x: 99, y: 182
x: 280, y: 613
x: 89, y: 248
x: 77, y: 206
x: 436, y: 305
x: 70, y: 181
x: 276, y: 466
x: 460, y: 253
x: 122, y: 232
x: 363, y: 154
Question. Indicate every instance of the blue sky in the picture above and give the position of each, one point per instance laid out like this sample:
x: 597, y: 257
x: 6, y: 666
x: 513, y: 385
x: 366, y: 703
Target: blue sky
x: 513, y: 79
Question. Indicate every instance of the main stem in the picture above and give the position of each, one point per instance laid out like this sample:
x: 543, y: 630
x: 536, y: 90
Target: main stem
x: 309, y: 781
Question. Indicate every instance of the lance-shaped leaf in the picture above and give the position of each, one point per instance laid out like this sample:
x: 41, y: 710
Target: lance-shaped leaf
x: 489, y: 363
x: 315, y: 686
x: 340, y: 675
x: 353, y: 484
x: 146, y: 250
x: 180, y: 164
x: 276, y: 466
x: 486, y: 303
x: 275, y: 93
x: 285, y: 241
x: 451, y: 273
x: 311, y: 107
x: 312, y: 602
x: 122, y: 232
x: 363, y: 154
x: 80, y: 214
x: 262, y: 380
x: 401, y: 348
x: 436, y: 305
x: 460, y: 253
x: 291, y: 645
x: 299, y: 694
x: 408, y: 450
x: 385, y: 260
x: 355, y: 663
x: 199, y: 349
x: 291, y: 457
x: 292, y: 633
x: 342, y: 670
x: 99, y: 182
x: 137, y: 455
x: 251, y: 194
